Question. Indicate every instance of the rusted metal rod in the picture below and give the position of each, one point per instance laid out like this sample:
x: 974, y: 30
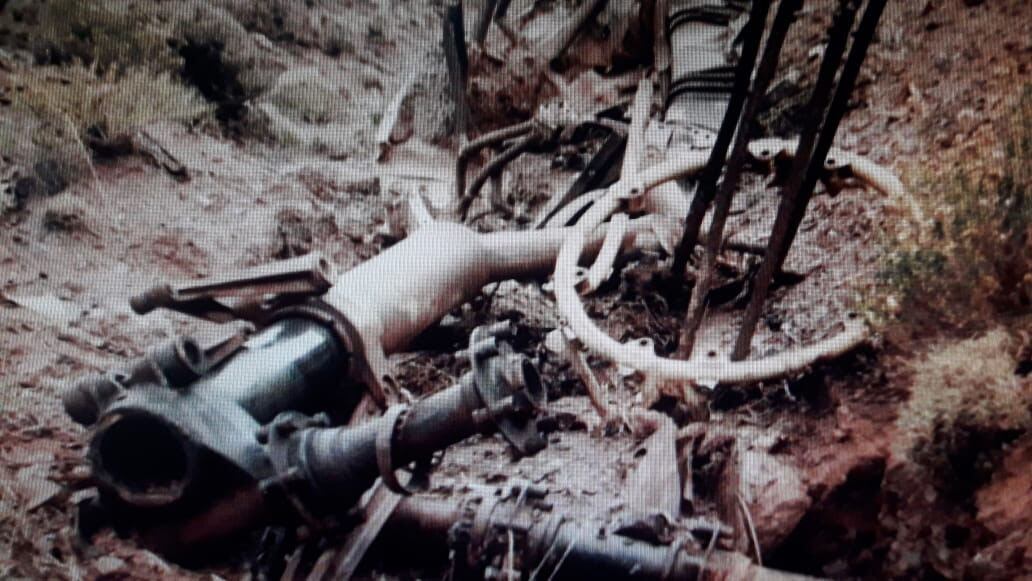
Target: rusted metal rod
x: 457, y: 60
x: 735, y: 165
x: 488, y: 139
x: 706, y: 187
x: 493, y: 167
x: 484, y: 18
x: 792, y: 195
x: 601, y: 171
x: 837, y: 110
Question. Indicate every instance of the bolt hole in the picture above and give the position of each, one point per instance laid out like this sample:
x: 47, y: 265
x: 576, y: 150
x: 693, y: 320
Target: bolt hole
x: 191, y: 352
x: 711, y: 354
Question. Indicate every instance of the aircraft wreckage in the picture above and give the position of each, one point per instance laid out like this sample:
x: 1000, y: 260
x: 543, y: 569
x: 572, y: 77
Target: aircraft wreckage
x: 292, y: 418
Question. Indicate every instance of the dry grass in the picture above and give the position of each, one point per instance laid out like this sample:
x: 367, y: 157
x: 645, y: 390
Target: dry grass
x: 109, y: 105
x: 967, y: 406
x: 970, y: 382
x: 103, y: 71
x: 110, y: 35
x: 57, y: 111
x: 111, y: 67
x: 975, y: 268
x: 304, y: 97
x: 322, y: 24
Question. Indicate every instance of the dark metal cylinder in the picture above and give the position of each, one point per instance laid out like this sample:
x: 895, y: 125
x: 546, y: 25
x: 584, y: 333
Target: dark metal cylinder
x: 293, y: 365
x: 288, y: 366
x: 341, y: 463
x: 572, y: 551
x: 580, y: 554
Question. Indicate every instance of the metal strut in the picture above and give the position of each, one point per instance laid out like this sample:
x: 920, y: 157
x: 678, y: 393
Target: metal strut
x: 783, y: 20
x: 811, y: 152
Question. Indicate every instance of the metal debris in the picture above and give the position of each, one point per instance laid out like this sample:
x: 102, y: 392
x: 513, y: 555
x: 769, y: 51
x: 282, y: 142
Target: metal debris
x: 292, y: 418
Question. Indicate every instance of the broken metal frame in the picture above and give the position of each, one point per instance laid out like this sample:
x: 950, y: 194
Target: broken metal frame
x: 316, y: 346
x: 628, y: 194
x: 513, y: 532
x: 306, y: 471
x: 515, y: 140
x: 811, y: 153
x: 388, y: 323
x: 735, y: 165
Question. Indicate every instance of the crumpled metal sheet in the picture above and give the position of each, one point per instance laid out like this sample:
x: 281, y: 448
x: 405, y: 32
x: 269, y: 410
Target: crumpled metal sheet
x: 702, y: 36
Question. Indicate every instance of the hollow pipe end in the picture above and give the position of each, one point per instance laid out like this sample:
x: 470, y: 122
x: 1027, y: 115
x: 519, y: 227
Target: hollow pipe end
x: 145, y: 460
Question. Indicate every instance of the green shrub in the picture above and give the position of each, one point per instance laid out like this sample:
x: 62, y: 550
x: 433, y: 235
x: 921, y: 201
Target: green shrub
x: 975, y: 267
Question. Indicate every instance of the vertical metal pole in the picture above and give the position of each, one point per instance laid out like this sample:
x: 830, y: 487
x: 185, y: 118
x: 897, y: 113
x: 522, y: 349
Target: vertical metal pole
x: 706, y: 188
x: 457, y: 60
x: 736, y: 163
x: 840, y: 102
x: 484, y: 17
x: 791, y: 194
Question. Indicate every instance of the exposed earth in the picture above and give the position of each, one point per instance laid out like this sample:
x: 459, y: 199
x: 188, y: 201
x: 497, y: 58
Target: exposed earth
x: 836, y: 490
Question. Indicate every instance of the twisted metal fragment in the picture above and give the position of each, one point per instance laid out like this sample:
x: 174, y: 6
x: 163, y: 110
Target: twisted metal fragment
x: 698, y: 371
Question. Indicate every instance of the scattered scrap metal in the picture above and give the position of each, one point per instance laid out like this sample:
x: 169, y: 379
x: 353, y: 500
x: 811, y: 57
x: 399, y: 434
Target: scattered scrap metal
x: 292, y: 418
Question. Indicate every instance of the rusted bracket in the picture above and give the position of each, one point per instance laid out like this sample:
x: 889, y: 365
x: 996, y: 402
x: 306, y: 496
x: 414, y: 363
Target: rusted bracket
x: 342, y: 564
x: 250, y: 294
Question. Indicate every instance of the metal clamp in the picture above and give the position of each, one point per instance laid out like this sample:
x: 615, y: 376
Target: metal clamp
x: 367, y: 361
x: 419, y: 479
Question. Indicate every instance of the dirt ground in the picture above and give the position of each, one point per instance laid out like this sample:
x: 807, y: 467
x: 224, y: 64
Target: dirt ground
x: 936, y: 85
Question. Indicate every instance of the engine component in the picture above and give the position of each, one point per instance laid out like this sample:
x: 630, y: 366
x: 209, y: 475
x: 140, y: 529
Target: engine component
x: 325, y: 469
x: 316, y: 473
x: 512, y: 532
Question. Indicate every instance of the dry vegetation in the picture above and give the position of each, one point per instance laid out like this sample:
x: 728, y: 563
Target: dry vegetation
x: 960, y: 388
x: 82, y: 76
x: 974, y: 270
x: 958, y: 302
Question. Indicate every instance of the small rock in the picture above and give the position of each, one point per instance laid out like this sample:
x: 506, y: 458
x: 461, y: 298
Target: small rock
x: 775, y: 495
x: 967, y: 120
x: 65, y: 217
x: 556, y: 342
x: 109, y: 564
x: 52, y: 176
x: 152, y: 560
x: 34, y: 485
